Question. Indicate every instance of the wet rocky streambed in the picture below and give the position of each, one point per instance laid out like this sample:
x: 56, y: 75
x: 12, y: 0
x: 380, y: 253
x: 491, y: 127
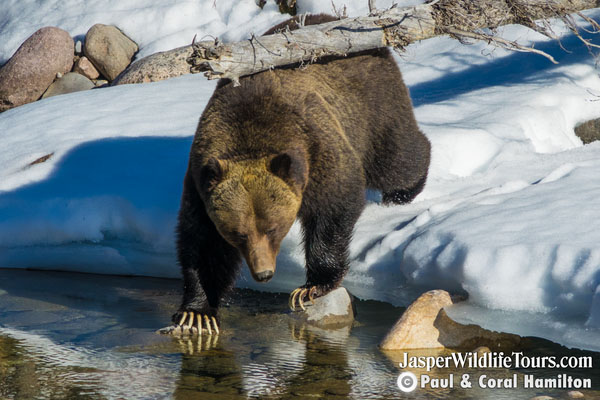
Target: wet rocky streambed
x: 80, y: 336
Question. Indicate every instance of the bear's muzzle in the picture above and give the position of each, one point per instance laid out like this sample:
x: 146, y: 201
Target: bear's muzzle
x: 261, y: 259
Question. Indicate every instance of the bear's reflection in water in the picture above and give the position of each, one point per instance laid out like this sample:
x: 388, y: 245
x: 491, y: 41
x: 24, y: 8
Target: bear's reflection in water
x: 305, y: 362
x: 267, y: 353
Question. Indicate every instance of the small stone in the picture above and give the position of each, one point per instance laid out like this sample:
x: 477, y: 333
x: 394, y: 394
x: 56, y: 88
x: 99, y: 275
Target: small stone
x: 425, y: 325
x: 84, y: 67
x: 331, y: 311
x: 170, y: 330
x: 109, y: 49
x: 481, y: 350
x: 78, y: 47
x: 34, y: 66
x: 69, y: 83
x: 574, y: 394
x: 157, y: 67
x: 59, y: 75
x: 588, y: 131
x: 542, y: 398
x: 100, y: 82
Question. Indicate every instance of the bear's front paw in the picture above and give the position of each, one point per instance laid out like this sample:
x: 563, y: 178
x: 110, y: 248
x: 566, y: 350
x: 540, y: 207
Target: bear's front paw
x: 298, y: 296
x: 193, y: 323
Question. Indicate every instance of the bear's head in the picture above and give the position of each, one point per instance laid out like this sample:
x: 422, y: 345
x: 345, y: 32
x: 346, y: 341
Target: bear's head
x: 253, y: 204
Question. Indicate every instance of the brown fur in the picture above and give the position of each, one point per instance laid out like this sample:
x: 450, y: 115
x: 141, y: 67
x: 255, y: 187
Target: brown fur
x: 293, y: 143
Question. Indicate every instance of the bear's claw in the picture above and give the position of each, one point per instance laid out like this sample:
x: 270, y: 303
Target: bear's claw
x: 299, y: 294
x: 182, y: 328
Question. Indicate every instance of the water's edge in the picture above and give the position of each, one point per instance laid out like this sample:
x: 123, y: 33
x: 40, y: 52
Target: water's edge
x: 82, y: 336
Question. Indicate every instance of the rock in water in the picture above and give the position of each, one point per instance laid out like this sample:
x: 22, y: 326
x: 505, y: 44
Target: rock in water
x: 425, y: 325
x: 69, y: 83
x: 157, y: 67
x: 109, y: 49
x: 333, y: 310
x: 84, y: 67
x: 33, y: 67
x: 481, y: 350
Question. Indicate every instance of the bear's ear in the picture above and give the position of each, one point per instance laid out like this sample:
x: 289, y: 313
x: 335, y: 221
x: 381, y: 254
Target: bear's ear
x: 290, y: 166
x: 211, y: 174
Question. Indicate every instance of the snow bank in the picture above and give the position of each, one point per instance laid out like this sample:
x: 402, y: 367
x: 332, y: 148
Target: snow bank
x: 507, y: 214
x: 107, y: 198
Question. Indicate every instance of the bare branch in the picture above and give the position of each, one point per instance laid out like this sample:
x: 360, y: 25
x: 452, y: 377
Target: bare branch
x: 594, y: 24
x: 498, y: 41
x: 396, y: 27
x: 372, y: 7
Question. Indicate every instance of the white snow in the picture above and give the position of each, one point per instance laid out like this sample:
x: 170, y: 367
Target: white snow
x: 508, y: 214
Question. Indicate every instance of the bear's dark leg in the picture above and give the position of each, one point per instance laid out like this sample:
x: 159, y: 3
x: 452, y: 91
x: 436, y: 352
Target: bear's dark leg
x: 400, y: 164
x: 327, y: 235
x: 404, y: 196
x: 209, y: 265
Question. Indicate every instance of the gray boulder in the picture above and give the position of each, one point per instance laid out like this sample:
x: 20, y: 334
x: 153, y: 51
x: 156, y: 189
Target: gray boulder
x: 33, y: 67
x: 157, y: 67
x: 109, y: 49
x: 69, y: 83
x: 334, y: 310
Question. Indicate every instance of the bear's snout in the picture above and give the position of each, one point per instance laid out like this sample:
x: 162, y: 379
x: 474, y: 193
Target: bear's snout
x: 261, y: 258
x: 264, y: 276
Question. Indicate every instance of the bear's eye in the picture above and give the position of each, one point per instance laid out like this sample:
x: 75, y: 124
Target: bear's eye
x: 271, y: 231
x: 242, y: 237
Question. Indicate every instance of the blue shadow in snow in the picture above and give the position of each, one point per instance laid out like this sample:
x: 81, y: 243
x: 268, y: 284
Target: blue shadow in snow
x: 148, y: 171
x: 506, y: 71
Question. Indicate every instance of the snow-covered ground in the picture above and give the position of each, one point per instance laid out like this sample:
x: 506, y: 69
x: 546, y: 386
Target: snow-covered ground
x: 509, y: 214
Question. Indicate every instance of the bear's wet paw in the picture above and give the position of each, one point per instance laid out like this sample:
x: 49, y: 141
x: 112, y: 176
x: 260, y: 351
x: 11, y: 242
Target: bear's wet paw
x: 192, y: 323
x: 303, y: 293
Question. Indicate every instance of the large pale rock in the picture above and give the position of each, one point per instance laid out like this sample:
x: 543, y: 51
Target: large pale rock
x: 157, y: 67
x: 426, y: 325
x: 69, y: 83
x: 334, y: 310
x: 109, y: 49
x: 84, y: 67
x: 33, y: 67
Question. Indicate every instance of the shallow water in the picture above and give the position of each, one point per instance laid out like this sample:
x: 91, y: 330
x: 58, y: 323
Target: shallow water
x: 79, y: 336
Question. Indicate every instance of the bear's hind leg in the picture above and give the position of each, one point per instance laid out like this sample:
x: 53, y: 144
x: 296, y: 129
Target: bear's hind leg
x: 404, y: 196
x: 399, y: 168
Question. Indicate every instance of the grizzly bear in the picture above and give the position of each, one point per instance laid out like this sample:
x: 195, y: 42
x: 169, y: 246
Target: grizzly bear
x: 292, y: 143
